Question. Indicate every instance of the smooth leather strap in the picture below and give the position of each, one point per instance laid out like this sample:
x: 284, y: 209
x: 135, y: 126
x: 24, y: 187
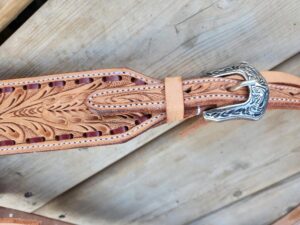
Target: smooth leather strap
x: 16, y: 221
x: 102, y: 107
x: 277, y: 77
x: 174, y: 99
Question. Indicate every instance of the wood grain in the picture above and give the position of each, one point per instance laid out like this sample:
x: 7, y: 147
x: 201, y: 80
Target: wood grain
x: 192, y: 171
x: 264, y: 207
x: 158, y: 38
x: 10, y: 9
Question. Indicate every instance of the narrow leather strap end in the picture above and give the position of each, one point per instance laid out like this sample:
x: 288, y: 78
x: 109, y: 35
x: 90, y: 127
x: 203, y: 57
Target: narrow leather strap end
x: 174, y: 99
x: 281, y: 78
x: 16, y: 221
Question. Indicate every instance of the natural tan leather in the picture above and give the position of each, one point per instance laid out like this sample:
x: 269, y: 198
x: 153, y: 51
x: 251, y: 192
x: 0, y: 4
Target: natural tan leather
x: 15, y: 221
x: 206, y: 92
x: 111, y: 106
x: 174, y: 99
x: 15, y: 217
x: 277, y: 77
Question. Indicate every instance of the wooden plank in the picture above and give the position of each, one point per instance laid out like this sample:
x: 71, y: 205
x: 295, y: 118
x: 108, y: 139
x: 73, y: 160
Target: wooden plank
x: 262, y: 208
x: 10, y: 9
x: 15, y: 214
x: 158, y: 38
x: 290, y: 65
x: 192, y: 171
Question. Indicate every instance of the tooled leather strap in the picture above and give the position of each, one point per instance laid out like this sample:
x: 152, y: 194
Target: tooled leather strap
x: 112, y: 106
x: 206, y: 92
x: 174, y: 99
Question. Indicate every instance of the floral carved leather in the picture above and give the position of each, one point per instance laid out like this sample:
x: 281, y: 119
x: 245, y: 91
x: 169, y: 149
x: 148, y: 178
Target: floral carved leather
x: 111, y: 106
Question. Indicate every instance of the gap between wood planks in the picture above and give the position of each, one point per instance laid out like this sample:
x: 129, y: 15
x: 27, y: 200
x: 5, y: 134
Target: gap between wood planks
x: 277, y: 185
x: 265, y: 195
x: 294, y: 59
x: 17, y: 13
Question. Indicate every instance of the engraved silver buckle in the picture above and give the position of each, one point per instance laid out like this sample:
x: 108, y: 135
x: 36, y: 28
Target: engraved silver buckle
x: 256, y: 104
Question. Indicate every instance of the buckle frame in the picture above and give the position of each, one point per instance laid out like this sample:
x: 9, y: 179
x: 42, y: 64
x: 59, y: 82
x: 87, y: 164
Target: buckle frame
x: 256, y: 104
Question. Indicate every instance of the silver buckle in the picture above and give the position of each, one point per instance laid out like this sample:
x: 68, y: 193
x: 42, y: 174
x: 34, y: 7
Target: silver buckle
x: 256, y: 104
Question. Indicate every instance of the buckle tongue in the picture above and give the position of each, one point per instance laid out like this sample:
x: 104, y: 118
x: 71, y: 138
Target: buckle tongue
x: 256, y: 104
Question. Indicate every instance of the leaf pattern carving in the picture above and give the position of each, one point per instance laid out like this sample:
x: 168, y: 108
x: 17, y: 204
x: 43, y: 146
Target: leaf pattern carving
x: 49, y: 111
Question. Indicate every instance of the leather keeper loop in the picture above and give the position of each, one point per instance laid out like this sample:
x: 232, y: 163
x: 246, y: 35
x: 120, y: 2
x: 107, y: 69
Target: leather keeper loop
x: 174, y: 99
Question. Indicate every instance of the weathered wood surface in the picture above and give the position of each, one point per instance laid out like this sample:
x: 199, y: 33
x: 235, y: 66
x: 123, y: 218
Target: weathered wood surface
x: 264, y: 207
x: 194, y: 170
x: 10, y: 9
x: 291, y: 65
x: 157, y: 38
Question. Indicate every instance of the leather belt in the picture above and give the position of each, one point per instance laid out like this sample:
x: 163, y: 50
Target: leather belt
x: 112, y: 106
x: 13, y: 221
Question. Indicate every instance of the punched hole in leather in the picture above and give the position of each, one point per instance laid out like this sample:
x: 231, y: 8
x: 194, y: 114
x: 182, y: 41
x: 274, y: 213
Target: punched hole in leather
x: 174, y: 99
